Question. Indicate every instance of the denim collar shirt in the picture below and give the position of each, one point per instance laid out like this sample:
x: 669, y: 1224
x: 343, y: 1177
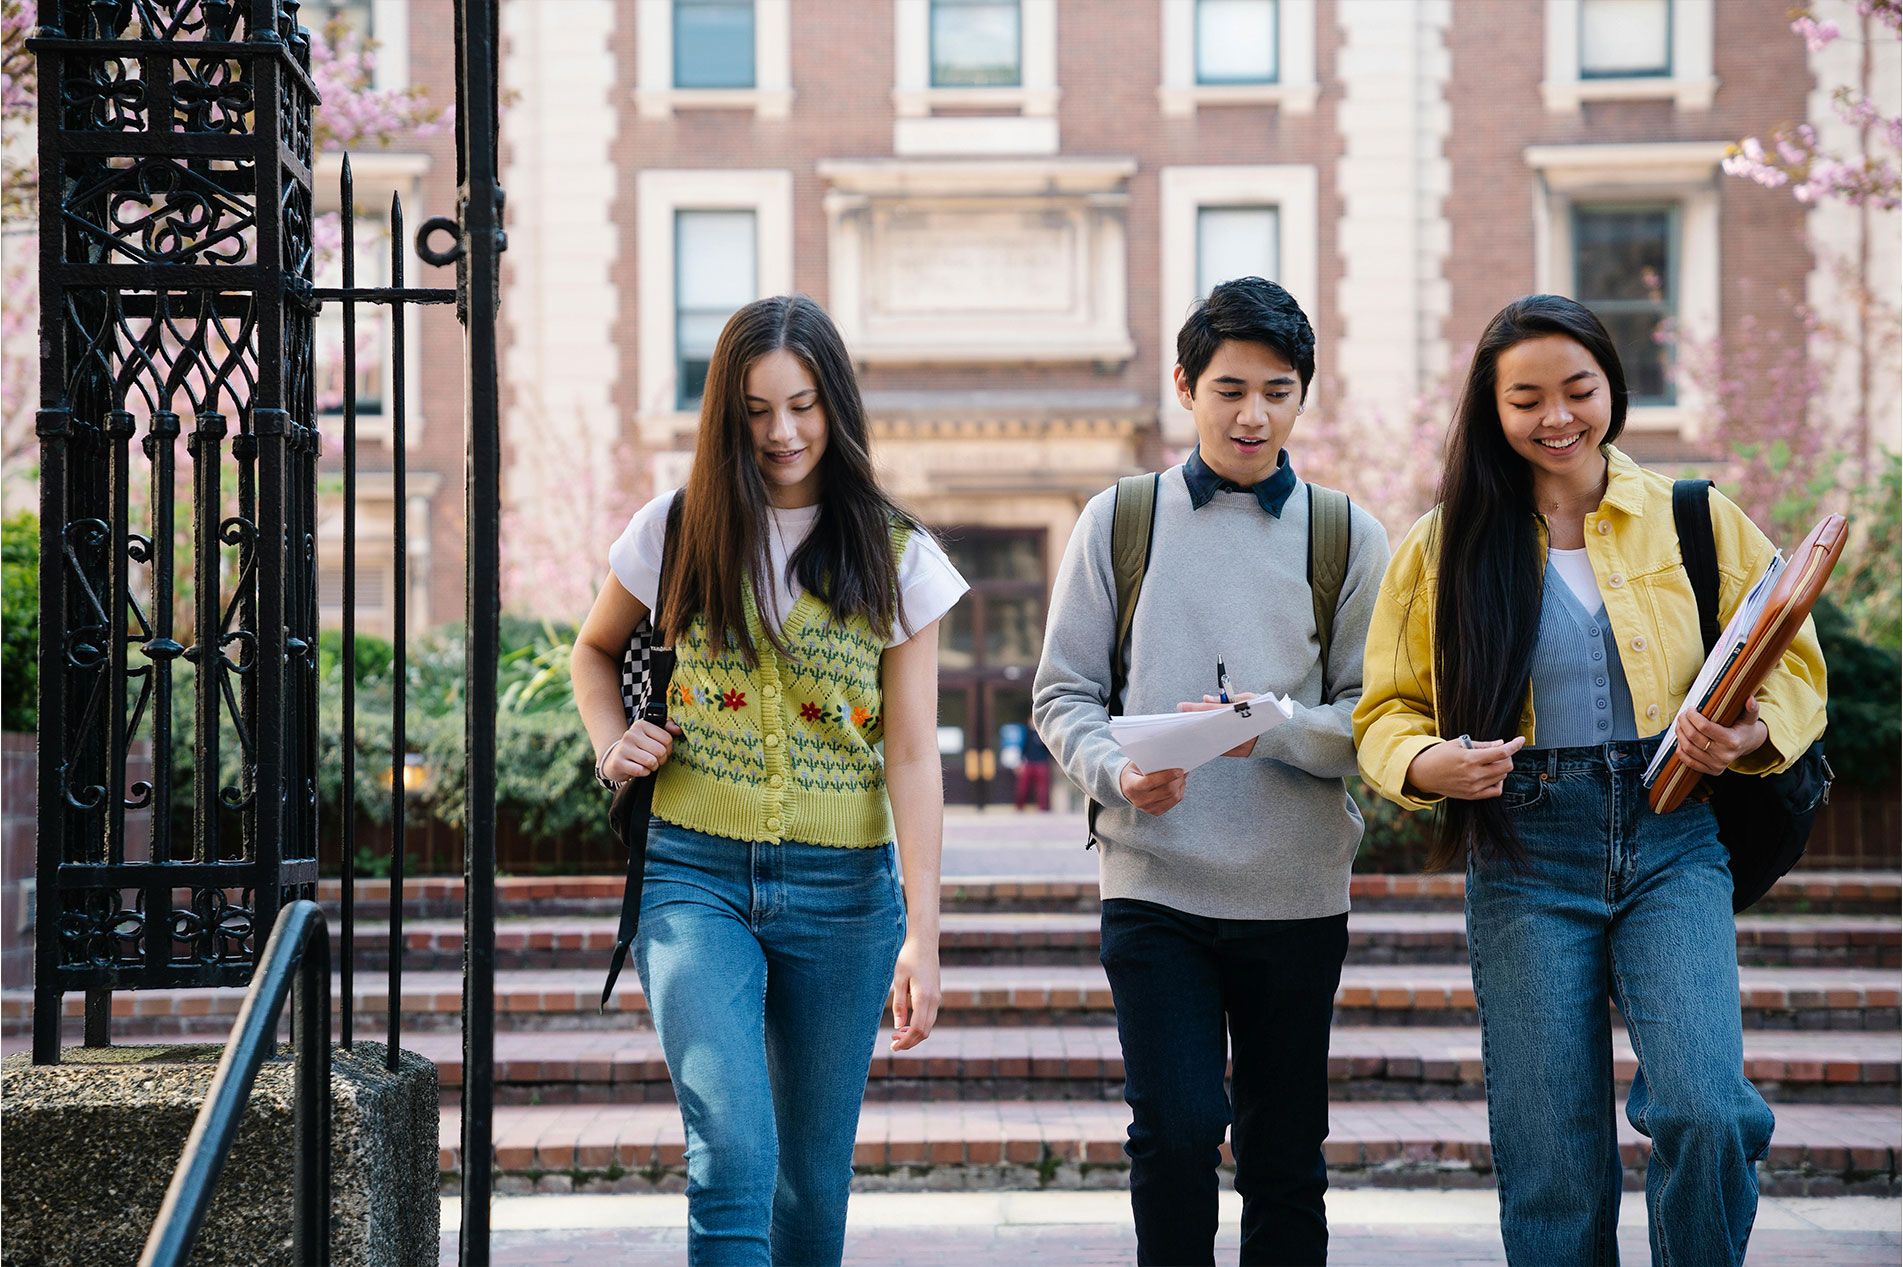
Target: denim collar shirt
x: 1272, y: 493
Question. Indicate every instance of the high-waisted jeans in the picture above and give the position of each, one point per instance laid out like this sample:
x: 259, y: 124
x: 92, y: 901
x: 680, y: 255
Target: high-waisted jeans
x: 766, y: 969
x: 1617, y: 903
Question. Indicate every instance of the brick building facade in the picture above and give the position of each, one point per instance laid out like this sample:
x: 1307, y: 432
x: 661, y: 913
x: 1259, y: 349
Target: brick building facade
x: 1009, y: 204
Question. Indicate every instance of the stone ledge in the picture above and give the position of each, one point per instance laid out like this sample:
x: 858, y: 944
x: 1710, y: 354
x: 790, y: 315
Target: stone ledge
x: 91, y: 1144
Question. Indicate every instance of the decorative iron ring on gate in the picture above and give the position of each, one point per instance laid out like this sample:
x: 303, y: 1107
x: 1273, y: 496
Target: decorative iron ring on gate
x: 439, y: 224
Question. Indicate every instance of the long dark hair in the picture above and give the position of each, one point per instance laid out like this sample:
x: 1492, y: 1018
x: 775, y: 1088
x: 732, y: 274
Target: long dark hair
x: 1487, y: 600
x: 847, y: 561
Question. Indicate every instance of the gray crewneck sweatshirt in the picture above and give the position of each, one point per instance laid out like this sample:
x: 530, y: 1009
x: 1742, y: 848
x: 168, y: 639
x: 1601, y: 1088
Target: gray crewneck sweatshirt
x: 1268, y: 836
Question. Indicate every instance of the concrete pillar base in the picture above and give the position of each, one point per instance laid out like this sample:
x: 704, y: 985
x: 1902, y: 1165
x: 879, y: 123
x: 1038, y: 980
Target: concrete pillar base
x: 91, y: 1144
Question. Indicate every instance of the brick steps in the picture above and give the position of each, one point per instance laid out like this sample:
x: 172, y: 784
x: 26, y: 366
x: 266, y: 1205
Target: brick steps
x: 1801, y: 892
x: 1084, y: 1062
x: 1817, y: 1149
x: 583, y: 943
x: 1384, y: 994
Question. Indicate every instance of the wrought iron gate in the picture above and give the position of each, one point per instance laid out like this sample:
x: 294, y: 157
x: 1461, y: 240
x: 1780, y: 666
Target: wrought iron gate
x: 178, y: 303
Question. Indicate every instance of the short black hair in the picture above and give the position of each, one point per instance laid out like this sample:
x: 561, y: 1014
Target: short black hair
x: 1252, y: 310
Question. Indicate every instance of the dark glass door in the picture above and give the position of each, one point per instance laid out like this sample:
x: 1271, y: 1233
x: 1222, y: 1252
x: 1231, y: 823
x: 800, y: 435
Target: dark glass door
x: 988, y: 652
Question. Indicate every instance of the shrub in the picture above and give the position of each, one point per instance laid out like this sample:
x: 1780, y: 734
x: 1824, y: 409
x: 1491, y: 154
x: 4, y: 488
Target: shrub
x: 1865, y: 683
x: 19, y: 622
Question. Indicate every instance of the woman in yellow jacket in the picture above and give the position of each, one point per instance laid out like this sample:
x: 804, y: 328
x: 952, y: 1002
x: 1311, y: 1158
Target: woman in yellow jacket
x: 1548, y: 581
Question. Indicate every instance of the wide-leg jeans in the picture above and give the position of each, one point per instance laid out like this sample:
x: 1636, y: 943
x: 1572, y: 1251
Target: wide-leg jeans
x: 766, y: 968
x: 1615, y: 903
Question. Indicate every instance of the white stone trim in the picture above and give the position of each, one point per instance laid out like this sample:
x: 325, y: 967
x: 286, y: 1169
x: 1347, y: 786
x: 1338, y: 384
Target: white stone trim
x: 1393, y: 236
x: 561, y: 362
x: 1839, y: 232
x: 655, y: 95
x: 1291, y: 188
x: 768, y: 193
x: 1295, y: 89
x: 920, y: 131
x: 1691, y: 85
x: 390, y: 30
x: 1682, y: 173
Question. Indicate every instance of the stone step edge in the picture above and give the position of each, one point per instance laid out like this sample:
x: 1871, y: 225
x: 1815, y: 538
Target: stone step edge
x: 1814, y: 885
x: 584, y: 996
x: 1050, y: 930
x: 648, y: 1137
x: 639, y: 1062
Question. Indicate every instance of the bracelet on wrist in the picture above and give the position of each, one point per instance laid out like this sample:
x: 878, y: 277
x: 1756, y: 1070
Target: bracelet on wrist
x: 601, y: 778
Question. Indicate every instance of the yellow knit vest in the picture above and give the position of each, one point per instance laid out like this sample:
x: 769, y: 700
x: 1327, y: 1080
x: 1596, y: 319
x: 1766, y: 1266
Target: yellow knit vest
x: 785, y: 749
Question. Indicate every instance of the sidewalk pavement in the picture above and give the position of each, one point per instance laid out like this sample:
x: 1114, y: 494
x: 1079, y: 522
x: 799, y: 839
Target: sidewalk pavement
x: 1372, y: 1228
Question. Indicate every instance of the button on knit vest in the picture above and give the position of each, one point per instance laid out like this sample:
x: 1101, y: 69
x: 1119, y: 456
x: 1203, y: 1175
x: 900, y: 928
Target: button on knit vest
x: 785, y: 749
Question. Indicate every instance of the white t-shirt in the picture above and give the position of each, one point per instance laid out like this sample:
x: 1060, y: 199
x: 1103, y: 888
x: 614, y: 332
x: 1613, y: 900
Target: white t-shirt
x: 1576, y: 570
x: 928, y: 583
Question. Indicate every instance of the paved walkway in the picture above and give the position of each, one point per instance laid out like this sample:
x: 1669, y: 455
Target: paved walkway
x: 1373, y: 1228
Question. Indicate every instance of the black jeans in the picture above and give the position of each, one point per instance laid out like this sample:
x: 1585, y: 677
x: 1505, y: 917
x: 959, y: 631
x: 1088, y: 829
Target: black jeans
x: 1187, y: 990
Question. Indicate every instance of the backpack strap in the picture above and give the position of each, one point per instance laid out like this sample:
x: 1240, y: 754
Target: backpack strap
x: 1698, y: 549
x: 1132, y: 531
x: 1329, y: 536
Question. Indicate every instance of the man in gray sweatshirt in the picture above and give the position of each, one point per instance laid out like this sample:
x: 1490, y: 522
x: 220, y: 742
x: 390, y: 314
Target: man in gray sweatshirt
x: 1225, y: 890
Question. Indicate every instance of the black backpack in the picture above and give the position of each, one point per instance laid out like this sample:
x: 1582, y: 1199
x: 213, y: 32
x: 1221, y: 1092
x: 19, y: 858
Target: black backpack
x: 1764, y: 821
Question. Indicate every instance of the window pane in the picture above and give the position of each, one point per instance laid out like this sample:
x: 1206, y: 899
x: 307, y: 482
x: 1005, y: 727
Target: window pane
x: 714, y: 273
x: 326, y: 17
x: 997, y: 556
x: 1623, y: 270
x: 1014, y: 630
x: 373, y: 322
x: 713, y: 43
x: 1625, y: 37
x: 1235, y: 41
x: 1234, y: 242
x: 1622, y: 253
x: 974, y: 43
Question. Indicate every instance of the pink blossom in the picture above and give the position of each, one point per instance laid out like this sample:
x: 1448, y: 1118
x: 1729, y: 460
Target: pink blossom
x: 1817, y: 35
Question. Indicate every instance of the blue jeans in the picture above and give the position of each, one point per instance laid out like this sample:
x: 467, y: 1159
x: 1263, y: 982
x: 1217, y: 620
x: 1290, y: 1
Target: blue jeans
x: 1623, y: 904
x: 766, y: 969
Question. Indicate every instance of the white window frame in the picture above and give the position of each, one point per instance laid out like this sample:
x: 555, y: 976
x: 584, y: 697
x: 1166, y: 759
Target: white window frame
x: 376, y: 522
x: 375, y: 173
x: 1292, y: 189
x: 919, y: 132
x: 1295, y: 89
x: 656, y: 97
x: 1684, y: 173
x: 1691, y: 85
x: 659, y: 194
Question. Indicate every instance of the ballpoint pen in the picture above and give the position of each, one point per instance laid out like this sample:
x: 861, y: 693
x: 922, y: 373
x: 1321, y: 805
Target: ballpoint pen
x: 1465, y: 741
x: 1222, y: 681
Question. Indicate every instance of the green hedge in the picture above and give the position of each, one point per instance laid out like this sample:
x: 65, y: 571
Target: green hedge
x: 19, y: 621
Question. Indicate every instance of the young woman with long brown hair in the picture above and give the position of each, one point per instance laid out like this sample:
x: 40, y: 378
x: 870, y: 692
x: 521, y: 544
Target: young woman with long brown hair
x: 803, y: 606
x: 1534, y: 637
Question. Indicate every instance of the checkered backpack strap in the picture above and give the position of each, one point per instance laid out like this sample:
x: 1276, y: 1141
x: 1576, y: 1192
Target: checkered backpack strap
x: 636, y: 665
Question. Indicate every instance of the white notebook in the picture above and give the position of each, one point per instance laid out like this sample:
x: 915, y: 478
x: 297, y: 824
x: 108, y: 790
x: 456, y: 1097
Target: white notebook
x: 1183, y: 741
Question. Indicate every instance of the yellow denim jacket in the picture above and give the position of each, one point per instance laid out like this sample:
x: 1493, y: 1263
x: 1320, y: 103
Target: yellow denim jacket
x: 1633, y: 546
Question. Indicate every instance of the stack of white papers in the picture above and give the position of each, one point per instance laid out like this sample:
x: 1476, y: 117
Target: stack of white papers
x: 1183, y: 741
x: 1729, y: 646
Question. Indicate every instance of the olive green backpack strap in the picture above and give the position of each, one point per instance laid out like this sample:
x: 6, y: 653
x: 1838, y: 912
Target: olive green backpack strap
x: 1328, y: 541
x: 1132, y: 529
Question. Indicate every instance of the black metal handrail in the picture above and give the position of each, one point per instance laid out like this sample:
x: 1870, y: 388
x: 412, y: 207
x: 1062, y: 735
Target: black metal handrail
x: 300, y: 943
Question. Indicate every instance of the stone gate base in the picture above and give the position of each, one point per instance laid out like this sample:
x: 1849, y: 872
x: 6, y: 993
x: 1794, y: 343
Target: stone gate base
x: 90, y: 1145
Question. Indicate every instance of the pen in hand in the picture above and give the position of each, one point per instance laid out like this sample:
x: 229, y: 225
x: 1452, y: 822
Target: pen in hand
x: 1465, y: 741
x: 1222, y: 681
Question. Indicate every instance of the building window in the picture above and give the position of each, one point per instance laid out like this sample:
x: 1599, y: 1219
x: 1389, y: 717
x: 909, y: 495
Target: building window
x: 713, y: 44
x: 1625, y: 39
x: 356, y: 17
x: 976, y: 44
x: 373, y: 328
x: 715, y: 272
x: 1236, y: 42
x: 1235, y: 242
x: 1625, y: 264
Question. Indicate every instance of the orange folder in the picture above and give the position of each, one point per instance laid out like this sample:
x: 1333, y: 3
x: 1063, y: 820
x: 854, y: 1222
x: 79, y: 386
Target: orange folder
x: 1790, y: 601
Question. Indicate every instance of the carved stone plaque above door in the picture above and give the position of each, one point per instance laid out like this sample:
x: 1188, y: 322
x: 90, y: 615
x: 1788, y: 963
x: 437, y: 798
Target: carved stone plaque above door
x: 961, y: 262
